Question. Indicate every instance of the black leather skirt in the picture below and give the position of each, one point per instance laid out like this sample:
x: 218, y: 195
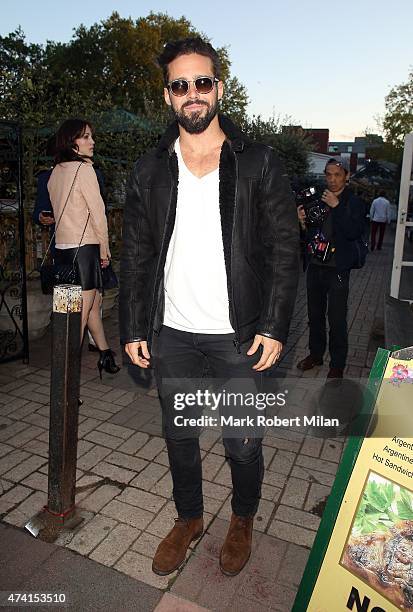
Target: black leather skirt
x: 87, y: 264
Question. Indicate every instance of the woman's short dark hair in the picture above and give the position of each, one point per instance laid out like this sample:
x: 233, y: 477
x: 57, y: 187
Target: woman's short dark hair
x: 186, y: 46
x: 64, y: 145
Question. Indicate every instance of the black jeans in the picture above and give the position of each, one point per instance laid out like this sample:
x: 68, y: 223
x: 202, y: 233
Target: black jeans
x: 180, y: 359
x: 327, y: 290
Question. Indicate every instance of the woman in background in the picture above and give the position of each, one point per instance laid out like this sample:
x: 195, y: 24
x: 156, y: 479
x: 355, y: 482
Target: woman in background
x: 81, y: 226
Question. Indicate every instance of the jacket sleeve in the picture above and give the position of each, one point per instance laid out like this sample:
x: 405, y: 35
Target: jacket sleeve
x: 89, y: 188
x: 42, y: 197
x: 137, y: 256
x: 349, y: 218
x: 279, y: 236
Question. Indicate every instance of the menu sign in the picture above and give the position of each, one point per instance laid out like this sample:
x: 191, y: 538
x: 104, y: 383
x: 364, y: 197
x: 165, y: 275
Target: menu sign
x: 363, y: 555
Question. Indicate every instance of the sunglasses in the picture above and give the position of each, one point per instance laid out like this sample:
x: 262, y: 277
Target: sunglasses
x: 203, y: 85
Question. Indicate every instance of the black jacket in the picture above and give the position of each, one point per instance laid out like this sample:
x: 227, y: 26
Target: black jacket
x: 259, y: 234
x: 348, y: 229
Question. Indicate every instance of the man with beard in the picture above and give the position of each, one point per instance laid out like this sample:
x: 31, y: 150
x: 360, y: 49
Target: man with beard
x: 209, y: 272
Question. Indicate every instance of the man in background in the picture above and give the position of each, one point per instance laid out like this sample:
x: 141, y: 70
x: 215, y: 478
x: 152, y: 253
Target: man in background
x: 380, y: 216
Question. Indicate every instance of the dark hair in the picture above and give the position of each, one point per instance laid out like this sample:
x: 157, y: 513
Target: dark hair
x: 186, y: 46
x: 65, y: 146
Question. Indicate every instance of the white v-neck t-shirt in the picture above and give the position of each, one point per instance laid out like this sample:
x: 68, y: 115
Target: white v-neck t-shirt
x: 196, y: 294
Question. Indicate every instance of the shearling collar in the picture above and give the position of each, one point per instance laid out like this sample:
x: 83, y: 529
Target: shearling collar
x: 232, y: 132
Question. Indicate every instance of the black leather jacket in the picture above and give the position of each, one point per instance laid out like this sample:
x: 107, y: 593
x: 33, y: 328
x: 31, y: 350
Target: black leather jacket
x: 259, y: 234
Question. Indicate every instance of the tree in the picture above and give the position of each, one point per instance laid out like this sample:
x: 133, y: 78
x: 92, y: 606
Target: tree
x: 398, y: 120
x: 290, y: 142
x: 109, y: 65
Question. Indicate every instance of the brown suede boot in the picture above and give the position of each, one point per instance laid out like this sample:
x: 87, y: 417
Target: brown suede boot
x: 172, y: 550
x: 237, y: 546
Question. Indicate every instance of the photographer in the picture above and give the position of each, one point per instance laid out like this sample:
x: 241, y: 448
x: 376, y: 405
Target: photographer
x: 334, y: 227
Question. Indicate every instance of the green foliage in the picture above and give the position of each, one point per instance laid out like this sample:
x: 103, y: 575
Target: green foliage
x: 107, y: 66
x: 398, y: 120
x: 382, y: 505
x: 290, y: 142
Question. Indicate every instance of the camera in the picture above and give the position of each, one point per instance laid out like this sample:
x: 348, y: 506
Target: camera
x: 315, y: 210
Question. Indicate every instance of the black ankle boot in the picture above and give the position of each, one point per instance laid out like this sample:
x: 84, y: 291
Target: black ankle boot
x: 107, y: 362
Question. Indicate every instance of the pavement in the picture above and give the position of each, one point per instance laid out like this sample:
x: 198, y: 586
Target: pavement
x: 124, y: 489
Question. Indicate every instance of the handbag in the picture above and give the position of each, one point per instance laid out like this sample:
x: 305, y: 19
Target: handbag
x: 109, y: 278
x: 61, y: 274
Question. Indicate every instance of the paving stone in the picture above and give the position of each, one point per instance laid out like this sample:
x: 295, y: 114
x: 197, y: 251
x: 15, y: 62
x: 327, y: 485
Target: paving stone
x: 13, y: 496
x: 164, y: 521
x: 332, y: 451
x: 26, y: 467
x: 125, y: 513
x: 149, y: 476
x: 114, y: 394
x: 37, y: 481
x: 294, y: 493
x: 87, y: 392
x: 134, y: 443
x: 103, y: 439
x: 92, y: 457
x: 212, y: 505
x: 4, y: 449
x: 115, y: 545
x: 317, y: 464
x: 318, y: 495
x: 312, y: 475
x: 146, y: 544
x: 292, y: 533
x: 116, y: 430
x: 282, y: 444
x: 162, y: 458
x: 215, y: 491
x: 171, y: 602
x: 282, y: 462
x: 5, y: 485
x: 133, y: 463
x: 293, y: 566
x: 142, y: 499
x: 139, y: 567
x: 312, y: 446
x: 217, y: 591
x: 92, y: 534
x: 87, y: 425
x: 224, y: 476
x: 208, y: 439
x: 83, y: 446
x: 211, y: 464
x: 27, y: 509
x: 126, y: 399
x: 99, y: 498
x: 152, y: 448
x: 37, y: 419
x: 297, y: 517
x: 164, y: 486
x: 102, y: 405
x: 25, y: 436
x: 268, y: 454
x: 274, y: 479
x: 11, y: 429
x: 270, y: 493
x: 115, y: 473
x: 94, y: 413
x: 26, y: 409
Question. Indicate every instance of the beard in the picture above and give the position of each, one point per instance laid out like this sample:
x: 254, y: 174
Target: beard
x: 196, y: 123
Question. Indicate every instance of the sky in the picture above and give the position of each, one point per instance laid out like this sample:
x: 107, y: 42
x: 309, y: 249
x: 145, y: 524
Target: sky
x: 323, y: 64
